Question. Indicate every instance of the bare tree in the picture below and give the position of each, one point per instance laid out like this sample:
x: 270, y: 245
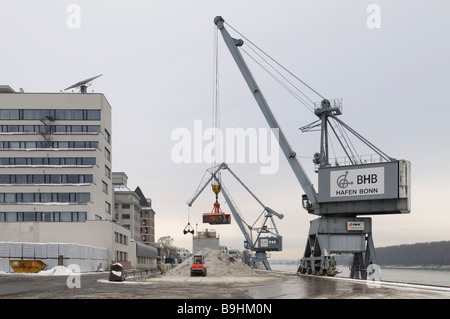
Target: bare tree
x: 166, y: 243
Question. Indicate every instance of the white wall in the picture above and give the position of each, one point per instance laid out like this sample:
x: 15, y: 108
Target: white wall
x: 91, y: 233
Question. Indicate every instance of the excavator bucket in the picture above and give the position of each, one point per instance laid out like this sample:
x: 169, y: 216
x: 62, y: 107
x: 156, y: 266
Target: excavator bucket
x: 216, y: 218
x: 188, y: 229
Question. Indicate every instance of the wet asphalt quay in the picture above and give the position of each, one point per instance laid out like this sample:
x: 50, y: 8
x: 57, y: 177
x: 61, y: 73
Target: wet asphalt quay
x: 280, y: 286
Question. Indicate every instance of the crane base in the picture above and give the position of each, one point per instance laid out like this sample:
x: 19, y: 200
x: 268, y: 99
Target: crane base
x: 339, y: 235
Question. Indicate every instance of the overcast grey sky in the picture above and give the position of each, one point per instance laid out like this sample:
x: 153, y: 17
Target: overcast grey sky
x: 156, y: 57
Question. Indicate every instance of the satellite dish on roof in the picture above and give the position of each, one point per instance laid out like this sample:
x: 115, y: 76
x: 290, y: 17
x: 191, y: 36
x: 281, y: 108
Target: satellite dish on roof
x: 83, y: 84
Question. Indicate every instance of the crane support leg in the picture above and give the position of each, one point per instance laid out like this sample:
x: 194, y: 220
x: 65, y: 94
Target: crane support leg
x: 262, y: 257
x: 338, y: 235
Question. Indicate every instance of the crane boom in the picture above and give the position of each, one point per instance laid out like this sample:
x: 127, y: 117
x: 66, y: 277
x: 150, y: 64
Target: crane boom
x: 345, y: 191
x: 236, y: 214
x: 199, y: 191
x: 290, y: 155
x: 262, y: 243
x: 268, y: 209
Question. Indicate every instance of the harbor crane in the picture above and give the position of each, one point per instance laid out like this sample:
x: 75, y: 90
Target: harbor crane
x: 345, y: 191
x: 260, y: 239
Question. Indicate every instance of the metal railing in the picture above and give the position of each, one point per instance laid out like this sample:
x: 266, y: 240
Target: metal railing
x: 357, y: 160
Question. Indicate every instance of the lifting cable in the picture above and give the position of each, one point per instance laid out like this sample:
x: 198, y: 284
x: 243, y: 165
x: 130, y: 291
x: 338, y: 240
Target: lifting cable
x: 277, y: 63
x: 285, y: 86
x: 349, y: 143
x: 342, y: 145
x: 188, y: 228
x: 216, y: 105
x: 274, y: 69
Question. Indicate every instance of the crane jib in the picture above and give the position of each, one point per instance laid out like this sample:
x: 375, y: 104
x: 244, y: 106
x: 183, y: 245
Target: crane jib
x: 299, y: 172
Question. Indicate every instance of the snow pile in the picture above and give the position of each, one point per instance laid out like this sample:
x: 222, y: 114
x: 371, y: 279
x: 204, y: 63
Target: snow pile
x: 221, y: 268
x: 56, y: 271
x: 218, y: 263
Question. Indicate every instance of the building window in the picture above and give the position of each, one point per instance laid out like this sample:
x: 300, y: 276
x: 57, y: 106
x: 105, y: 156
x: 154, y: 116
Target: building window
x: 45, y: 179
x: 66, y: 217
x: 107, y: 172
x: 108, y: 207
x: 47, y: 161
x: 93, y: 115
x: 82, y: 217
x: 107, y: 136
x: 120, y: 238
x: 107, y: 154
x: 73, y: 198
x: 28, y: 217
x: 40, y: 114
x: 50, y: 129
x: 43, y: 217
x: 48, y: 145
x: 105, y: 188
x: 126, y: 206
x: 9, y: 114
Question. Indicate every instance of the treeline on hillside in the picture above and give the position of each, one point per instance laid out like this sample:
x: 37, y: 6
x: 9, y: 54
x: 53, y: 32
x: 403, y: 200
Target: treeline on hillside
x: 420, y: 254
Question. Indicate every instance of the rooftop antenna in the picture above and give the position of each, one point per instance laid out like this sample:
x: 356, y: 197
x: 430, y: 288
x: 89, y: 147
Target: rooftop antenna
x: 83, y: 84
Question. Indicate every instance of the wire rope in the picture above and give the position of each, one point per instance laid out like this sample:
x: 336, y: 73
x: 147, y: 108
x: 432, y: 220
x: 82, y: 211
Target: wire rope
x: 310, y: 108
x: 280, y: 65
x: 262, y: 58
x: 216, y: 104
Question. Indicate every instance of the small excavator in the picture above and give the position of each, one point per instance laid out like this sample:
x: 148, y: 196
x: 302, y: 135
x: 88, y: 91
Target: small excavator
x: 198, y: 266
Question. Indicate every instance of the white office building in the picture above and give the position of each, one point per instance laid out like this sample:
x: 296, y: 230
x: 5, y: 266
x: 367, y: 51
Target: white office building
x: 56, y: 172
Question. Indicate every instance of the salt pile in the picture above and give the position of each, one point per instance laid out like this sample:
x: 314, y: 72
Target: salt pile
x: 218, y: 263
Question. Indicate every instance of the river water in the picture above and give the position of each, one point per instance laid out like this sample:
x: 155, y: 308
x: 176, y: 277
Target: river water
x: 427, y: 276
